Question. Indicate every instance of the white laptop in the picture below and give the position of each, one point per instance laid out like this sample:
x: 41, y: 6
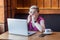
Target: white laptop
x: 19, y: 27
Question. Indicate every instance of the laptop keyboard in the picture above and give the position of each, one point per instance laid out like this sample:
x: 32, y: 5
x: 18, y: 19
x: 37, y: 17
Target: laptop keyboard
x: 28, y: 33
x: 31, y: 32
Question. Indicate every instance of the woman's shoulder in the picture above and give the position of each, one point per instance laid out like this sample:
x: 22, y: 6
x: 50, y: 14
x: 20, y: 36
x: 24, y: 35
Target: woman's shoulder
x: 41, y: 18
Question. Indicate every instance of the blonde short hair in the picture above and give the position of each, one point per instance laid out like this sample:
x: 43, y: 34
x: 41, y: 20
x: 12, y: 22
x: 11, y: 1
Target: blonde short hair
x: 34, y: 7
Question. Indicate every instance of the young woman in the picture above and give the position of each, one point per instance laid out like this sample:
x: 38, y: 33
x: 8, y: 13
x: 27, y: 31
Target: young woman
x: 35, y: 22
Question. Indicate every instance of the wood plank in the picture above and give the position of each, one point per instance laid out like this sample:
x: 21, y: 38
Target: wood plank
x: 33, y: 2
x: 54, y: 4
x: 19, y: 3
x: 59, y: 3
x: 40, y: 4
x: 2, y: 11
x: 1, y: 2
x: 47, y: 4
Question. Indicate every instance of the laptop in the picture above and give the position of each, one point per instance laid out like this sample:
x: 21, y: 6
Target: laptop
x: 18, y: 27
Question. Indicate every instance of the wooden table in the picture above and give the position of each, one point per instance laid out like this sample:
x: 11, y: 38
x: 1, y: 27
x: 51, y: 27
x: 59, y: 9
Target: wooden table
x: 54, y: 36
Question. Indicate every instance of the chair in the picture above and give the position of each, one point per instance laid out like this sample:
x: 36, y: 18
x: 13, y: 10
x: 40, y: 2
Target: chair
x: 1, y: 28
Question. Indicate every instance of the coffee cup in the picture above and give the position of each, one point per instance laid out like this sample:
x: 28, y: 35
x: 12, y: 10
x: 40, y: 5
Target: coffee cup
x: 48, y: 31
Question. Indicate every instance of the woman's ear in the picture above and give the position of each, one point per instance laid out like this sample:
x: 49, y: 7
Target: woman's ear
x: 30, y: 13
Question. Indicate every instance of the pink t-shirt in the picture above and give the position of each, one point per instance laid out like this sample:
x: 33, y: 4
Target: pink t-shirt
x: 31, y: 28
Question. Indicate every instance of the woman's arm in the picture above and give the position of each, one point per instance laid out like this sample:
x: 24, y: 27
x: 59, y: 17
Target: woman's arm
x: 41, y: 26
x: 42, y: 23
x: 38, y: 26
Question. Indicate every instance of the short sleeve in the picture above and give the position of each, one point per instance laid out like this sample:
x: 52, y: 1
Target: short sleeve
x: 40, y: 18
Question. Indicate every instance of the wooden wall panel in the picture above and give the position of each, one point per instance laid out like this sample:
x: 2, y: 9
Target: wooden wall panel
x: 54, y: 4
x: 45, y: 11
x: 40, y: 3
x: 1, y: 2
x: 47, y: 4
x: 19, y: 3
x: 26, y: 3
x: 43, y: 4
x: 23, y: 3
x: 59, y: 4
x: 49, y: 11
x: 1, y: 15
x: 1, y: 11
x: 33, y: 2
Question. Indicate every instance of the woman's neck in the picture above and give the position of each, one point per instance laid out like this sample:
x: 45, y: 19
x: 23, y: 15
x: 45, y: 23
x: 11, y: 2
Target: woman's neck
x: 36, y: 17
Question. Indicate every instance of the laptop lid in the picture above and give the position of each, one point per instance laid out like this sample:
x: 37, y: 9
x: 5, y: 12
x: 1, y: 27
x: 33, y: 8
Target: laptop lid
x: 17, y: 26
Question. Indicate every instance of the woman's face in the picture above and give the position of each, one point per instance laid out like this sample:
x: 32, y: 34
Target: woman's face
x: 33, y: 12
